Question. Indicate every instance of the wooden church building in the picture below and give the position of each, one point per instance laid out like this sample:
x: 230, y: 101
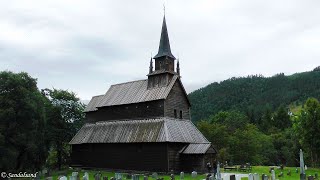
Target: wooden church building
x: 143, y: 125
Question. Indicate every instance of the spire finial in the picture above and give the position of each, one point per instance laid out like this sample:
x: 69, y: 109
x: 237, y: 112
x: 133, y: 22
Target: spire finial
x: 164, y: 9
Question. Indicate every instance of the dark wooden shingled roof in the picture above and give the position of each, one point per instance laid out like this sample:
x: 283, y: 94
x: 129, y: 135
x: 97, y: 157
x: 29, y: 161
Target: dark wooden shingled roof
x: 131, y: 92
x: 162, y: 129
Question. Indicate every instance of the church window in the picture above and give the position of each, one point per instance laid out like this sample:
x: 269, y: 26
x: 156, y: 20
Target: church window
x: 175, y: 113
x: 180, y: 114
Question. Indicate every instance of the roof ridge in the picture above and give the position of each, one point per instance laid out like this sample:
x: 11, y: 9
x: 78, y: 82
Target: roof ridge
x: 129, y: 82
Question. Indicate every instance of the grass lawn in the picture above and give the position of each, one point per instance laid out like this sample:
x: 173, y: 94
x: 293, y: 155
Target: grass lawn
x: 255, y: 169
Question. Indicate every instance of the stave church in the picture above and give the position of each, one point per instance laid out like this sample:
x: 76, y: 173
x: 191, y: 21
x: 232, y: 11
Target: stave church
x: 143, y: 125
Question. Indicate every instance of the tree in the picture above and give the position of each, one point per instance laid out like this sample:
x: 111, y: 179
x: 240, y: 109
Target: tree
x: 307, y: 126
x: 22, y: 123
x: 282, y: 119
x: 65, y: 118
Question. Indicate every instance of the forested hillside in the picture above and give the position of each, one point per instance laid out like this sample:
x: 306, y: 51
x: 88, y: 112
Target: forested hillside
x: 262, y: 120
x: 253, y: 95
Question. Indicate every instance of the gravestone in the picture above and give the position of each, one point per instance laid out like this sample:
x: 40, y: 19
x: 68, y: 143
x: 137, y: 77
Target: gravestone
x: 264, y: 177
x: 238, y: 177
x: 135, y: 177
x: 273, y: 175
x: 85, y: 176
x: 194, y: 174
x: 154, y: 175
x: 310, y: 177
x: 97, y: 176
x: 232, y: 177
x: 226, y: 177
x: 281, y: 174
x: 105, y: 178
x: 211, y: 178
x: 181, y: 175
x: 289, y: 173
x: 48, y: 178
x: 63, y: 178
x: 316, y: 176
x: 303, y: 176
x: 271, y: 168
x: 297, y: 170
x: 256, y: 176
x: 250, y: 176
x: 145, y: 177
x: 172, y: 176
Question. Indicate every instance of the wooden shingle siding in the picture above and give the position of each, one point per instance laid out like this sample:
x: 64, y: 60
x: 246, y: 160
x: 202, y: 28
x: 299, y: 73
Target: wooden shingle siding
x: 177, y: 100
x: 129, y: 111
x: 121, y: 156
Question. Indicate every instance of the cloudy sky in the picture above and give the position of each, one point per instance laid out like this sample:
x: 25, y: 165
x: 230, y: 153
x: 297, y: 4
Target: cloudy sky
x: 85, y: 46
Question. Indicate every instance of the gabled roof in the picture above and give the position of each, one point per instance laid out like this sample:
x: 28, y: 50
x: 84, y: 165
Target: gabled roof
x: 162, y: 129
x: 132, y: 92
x: 94, y: 102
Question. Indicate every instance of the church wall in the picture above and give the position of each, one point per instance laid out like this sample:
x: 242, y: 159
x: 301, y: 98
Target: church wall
x: 177, y: 100
x: 174, y: 156
x: 121, y: 156
x: 129, y: 111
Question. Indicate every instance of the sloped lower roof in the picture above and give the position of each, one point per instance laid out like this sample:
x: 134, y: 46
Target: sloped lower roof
x: 200, y: 148
x: 145, y: 130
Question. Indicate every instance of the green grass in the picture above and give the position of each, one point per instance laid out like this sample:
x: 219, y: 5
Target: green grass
x: 265, y: 170
x: 255, y: 169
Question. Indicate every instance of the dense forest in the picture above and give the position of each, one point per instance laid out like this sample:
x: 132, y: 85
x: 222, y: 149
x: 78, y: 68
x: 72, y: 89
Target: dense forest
x: 35, y: 125
x: 262, y: 120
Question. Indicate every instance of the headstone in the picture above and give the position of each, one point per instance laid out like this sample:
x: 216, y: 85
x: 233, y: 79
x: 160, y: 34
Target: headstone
x: 281, y: 174
x: 208, y: 175
x: 85, y: 176
x: 145, y: 177
x: 155, y: 175
x: 181, y: 175
x: 289, y: 173
x: 303, y: 176
x: 238, y: 177
x: 256, y: 176
x: 112, y: 178
x: 297, y: 170
x: 97, y: 176
x: 271, y: 168
x: 232, y: 177
x: 305, y: 167
x: 63, y: 178
x: 226, y: 177
x: 48, y: 178
x: 135, y: 177
x: 310, y: 177
x: 316, y: 176
x: 250, y: 176
x: 273, y: 175
x: 194, y: 174
x: 172, y: 176
x: 211, y: 178
x: 105, y: 178
x: 264, y: 177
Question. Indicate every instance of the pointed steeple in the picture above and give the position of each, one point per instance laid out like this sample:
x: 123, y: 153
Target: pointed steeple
x: 164, y: 46
x: 151, y: 66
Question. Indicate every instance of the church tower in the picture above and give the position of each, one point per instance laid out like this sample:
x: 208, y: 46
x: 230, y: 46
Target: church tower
x: 164, y: 62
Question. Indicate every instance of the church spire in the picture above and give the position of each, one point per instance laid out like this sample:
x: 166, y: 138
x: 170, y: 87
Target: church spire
x: 151, y: 66
x: 164, y: 46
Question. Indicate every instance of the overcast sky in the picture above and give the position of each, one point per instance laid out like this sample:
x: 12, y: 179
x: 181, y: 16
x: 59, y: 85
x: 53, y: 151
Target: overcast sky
x: 85, y: 46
